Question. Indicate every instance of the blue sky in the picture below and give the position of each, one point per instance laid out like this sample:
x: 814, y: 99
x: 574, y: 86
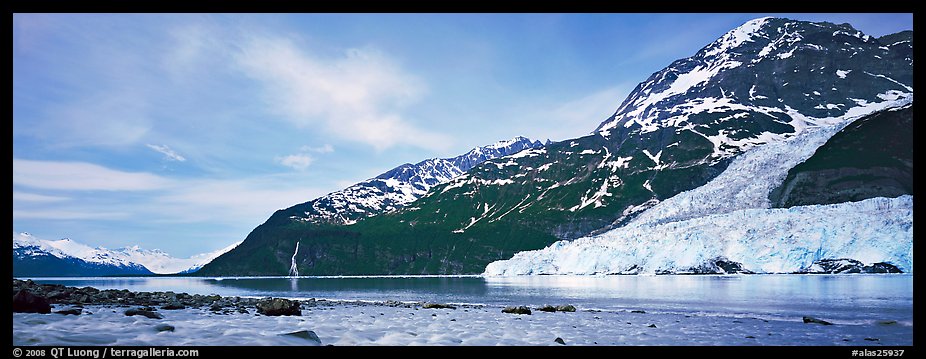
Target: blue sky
x: 185, y: 131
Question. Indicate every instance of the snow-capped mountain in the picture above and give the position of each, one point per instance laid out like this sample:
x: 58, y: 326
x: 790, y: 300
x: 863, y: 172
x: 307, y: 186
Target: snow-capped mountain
x: 401, y: 185
x: 773, y: 77
x: 728, y: 225
x: 729, y: 220
x: 65, y: 257
x: 767, y: 82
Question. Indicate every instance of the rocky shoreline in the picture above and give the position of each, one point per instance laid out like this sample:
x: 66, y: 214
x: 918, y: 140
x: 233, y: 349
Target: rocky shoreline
x: 31, y: 297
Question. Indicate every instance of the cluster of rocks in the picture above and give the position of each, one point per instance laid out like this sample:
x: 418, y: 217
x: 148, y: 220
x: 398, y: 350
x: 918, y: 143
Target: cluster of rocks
x: 31, y: 297
x: 558, y: 308
x: 546, y: 308
x: 38, y: 298
x: 517, y: 310
x: 437, y: 306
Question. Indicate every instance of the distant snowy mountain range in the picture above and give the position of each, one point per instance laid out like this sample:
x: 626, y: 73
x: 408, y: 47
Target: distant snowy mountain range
x: 65, y: 257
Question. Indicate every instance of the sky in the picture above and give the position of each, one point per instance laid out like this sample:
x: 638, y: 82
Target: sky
x: 183, y: 132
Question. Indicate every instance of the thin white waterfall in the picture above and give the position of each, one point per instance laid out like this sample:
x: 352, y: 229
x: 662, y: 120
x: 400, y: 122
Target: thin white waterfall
x: 293, y: 271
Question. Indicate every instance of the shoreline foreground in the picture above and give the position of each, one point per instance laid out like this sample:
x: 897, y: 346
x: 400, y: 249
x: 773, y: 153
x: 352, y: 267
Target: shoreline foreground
x: 52, y: 314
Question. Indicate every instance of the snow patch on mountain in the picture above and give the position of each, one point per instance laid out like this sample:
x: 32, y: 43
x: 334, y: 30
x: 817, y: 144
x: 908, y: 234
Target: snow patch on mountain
x: 738, y: 36
x: 761, y: 240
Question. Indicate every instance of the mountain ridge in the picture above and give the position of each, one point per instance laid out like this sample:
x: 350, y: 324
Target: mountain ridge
x: 399, y: 186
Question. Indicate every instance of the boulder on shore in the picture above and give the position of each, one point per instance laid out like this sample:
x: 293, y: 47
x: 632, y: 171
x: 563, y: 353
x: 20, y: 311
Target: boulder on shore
x: 558, y: 308
x: 437, y: 306
x: 173, y: 306
x: 143, y: 312
x: 517, y: 310
x: 547, y: 308
x: 278, y: 306
x: 26, y: 302
x: 816, y: 321
x: 164, y: 328
x: 71, y: 311
x: 308, y: 335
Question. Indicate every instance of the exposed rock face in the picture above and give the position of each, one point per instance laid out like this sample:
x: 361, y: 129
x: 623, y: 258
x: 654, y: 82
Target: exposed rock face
x: 719, y: 266
x: 848, y: 266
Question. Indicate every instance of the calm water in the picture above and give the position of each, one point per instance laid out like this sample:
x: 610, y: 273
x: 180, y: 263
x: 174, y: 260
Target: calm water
x: 841, y: 298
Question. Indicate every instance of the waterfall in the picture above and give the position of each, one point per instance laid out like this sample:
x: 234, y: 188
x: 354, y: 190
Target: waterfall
x: 293, y: 271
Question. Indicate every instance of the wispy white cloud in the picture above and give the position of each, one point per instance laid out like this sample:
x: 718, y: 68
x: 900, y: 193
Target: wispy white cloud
x: 35, y: 197
x: 82, y: 176
x: 58, y: 214
x: 298, y: 162
x: 302, y: 160
x: 326, y: 148
x: 168, y: 153
x: 117, y: 195
x: 357, y: 96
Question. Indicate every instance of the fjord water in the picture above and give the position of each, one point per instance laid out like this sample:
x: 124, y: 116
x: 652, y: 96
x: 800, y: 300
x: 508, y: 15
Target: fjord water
x: 849, y: 299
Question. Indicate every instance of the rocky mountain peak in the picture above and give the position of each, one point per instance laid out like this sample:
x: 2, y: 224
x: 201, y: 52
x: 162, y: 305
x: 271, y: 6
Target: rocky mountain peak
x: 772, y: 77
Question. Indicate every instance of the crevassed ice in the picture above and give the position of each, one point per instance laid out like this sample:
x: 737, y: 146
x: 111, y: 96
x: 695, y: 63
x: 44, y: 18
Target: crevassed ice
x: 762, y: 240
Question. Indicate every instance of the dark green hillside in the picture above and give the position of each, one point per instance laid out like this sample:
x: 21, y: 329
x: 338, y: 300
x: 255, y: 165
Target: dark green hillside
x: 872, y: 157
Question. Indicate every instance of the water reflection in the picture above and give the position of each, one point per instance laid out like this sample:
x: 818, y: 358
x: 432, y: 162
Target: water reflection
x: 406, y: 288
